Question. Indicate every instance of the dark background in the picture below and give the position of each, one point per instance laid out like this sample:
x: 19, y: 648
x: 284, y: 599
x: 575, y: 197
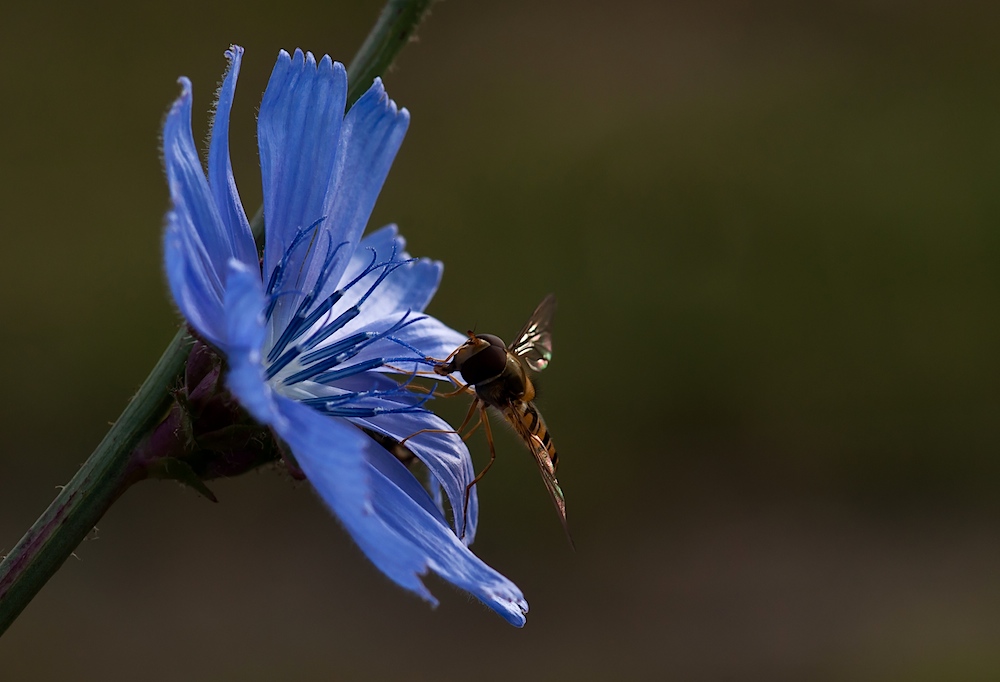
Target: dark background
x: 775, y: 236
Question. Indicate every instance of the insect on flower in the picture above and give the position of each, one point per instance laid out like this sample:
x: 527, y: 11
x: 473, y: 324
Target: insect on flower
x: 315, y: 333
x: 498, y: 376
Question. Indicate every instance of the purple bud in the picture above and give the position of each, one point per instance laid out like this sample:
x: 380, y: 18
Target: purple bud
x: 201, y: 361
x: 206, y: 434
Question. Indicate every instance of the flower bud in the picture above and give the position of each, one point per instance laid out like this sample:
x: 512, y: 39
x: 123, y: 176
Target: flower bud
x: 206, y: 434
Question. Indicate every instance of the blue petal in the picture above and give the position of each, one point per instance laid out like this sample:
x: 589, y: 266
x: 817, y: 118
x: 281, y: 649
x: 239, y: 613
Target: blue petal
x: 371, y: 135
x: 406, y: 287
x: 299, y: 135
x: 373, y: 306
x: 194, y: 285
x: 445, y: 455
x: 365, y: 381
x: 446, y: 555
x: 438, y: 493
x: 403, y: 479
x: 381, y: 241
x: 196, y: 243
x: 245, y: 331
x: 402, y: 536
x: 220, y: 169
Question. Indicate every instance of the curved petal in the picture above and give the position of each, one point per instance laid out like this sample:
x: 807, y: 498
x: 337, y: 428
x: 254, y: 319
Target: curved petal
x: 380, y: 241
x: 443, y: 452
x: 446, y: 555
x: 405, y: 481
x: 376, y: 301
x: 299, y: 136
x: 193, y: 284
x: 371, y: 135
x: 196, y: 243
x: 372, y: 495
x: 408, y: 286
x: 220, y: 168
x: 245, y: 331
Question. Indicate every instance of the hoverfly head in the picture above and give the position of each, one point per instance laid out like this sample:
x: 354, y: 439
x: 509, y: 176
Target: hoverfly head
x: 494, y: 341
x: 482, y: 357
x: 457, y: 359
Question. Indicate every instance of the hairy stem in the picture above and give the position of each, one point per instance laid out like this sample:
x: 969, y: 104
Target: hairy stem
x: 111, y: 469
x: 394, y: 28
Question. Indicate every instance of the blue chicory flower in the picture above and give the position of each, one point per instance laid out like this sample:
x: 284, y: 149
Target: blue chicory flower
x: 313, y: 343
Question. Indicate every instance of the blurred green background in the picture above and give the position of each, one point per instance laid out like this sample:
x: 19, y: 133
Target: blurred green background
x: 775, y: 235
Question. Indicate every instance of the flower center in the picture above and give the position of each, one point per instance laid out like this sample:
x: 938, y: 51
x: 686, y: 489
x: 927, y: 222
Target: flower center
x: 314, y: 359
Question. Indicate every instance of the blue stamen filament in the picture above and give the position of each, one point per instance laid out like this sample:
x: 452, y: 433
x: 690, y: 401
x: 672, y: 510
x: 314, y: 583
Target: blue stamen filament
x: 297, y: 346
x: 277, y: 278
x: 323, y: 360
x: 339, y: 405
x: 300, y: 322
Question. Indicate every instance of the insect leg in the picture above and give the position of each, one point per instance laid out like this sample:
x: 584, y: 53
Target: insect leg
x: 447, y: 359
x: 417, y: 433
x: 468, y: 434
x: 462, y: 388
x: 472, y: 411
x: 485, y: 420
x: 468, y: 416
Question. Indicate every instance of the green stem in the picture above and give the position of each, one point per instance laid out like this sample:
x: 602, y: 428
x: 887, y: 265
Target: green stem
x: 110, y: 470
x: 394, y: 28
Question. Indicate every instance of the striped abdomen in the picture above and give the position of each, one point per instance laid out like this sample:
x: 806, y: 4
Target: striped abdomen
x: 533, y: 424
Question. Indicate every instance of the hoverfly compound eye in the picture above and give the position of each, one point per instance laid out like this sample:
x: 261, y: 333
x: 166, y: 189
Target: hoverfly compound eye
x: 486, y: 363
x: 493, y: 340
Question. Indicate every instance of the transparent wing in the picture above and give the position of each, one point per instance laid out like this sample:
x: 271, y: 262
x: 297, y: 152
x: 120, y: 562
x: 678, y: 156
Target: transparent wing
x: 545, y: 468
x: 533, y: 344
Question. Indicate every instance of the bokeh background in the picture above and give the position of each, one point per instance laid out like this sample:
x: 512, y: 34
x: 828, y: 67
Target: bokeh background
x: 774, y: 230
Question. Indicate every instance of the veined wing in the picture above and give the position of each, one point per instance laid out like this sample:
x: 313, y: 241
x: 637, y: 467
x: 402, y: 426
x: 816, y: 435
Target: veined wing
x: 546, y: 467
x: 533, y: 344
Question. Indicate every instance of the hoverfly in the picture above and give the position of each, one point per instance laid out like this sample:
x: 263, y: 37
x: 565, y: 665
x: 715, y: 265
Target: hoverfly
x: 498, y: 374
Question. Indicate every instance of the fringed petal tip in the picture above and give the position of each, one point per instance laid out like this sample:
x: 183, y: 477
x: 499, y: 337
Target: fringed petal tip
x: 377, y: 101
x: 185, y: 84
x: 510, y: 606
x: 301, y: 58
x: 513, y: 609
x: 239, y: 240
x: 325, y: 67
x: 180, y: 109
